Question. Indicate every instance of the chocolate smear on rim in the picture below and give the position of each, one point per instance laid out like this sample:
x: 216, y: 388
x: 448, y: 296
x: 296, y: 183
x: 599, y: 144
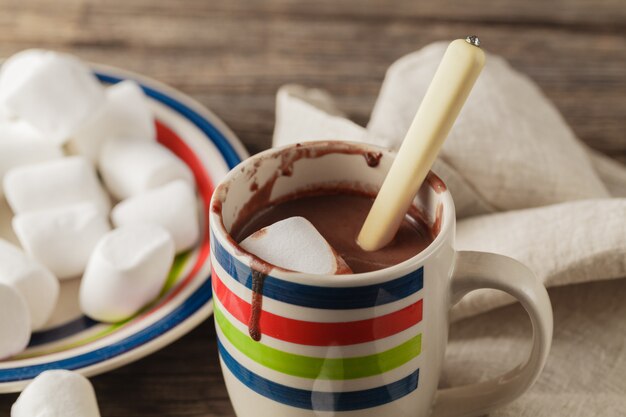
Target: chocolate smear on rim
x: 373, y: 158
x: 435, y: 182
x: 436, y: 227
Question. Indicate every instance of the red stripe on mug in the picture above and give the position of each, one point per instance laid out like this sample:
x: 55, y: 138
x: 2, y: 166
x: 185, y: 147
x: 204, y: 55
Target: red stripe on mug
x: 316, y: 333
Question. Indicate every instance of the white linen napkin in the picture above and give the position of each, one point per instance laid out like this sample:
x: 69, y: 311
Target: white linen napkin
x: 523, y: 184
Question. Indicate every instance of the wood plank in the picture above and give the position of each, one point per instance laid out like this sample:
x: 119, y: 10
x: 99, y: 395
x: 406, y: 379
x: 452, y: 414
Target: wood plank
x: 347, y: 58
x: 604, y: 15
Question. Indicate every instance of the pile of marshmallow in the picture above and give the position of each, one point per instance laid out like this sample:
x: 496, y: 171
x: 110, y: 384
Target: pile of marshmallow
x: 59, y: 128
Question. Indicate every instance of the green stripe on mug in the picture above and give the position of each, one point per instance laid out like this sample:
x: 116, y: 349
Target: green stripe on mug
x: 318, y: 368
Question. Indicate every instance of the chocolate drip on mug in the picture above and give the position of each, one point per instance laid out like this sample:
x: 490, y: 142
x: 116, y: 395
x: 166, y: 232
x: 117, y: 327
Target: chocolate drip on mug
x: 254, y: 324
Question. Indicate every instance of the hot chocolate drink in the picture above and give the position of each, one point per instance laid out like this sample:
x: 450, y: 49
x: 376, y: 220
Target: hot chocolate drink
x: 339, y: 217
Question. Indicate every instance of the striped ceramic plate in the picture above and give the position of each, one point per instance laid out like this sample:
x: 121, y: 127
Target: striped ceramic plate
x: 72, y: 341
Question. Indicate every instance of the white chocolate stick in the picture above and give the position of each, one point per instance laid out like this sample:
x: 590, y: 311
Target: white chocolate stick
x: 452, y: 83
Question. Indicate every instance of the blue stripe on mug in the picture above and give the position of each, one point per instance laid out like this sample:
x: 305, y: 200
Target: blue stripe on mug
x: 320, y: 400
x: 330, y: 298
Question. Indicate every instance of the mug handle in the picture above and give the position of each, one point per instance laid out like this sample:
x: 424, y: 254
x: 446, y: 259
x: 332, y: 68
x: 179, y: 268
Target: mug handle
x: 475, y: 270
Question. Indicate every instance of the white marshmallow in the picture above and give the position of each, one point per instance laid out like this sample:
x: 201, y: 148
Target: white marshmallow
x: 125, y: 114
x: 19, y: 151
x: 57, y: 393
x: 53, y: 92
x: 126, y: 271
x: 52, y: 184
x: 15, y: 71
x: 14, y: 322
x: 63, y: 238
x: 172, y: 206
x: 22, y: 65
x: 37, y: 285
x: 130, y: 167
x: 18, y: 129
x: 295, y: 244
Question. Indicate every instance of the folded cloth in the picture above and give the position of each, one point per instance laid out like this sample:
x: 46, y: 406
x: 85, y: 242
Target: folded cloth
x: 523, y: 184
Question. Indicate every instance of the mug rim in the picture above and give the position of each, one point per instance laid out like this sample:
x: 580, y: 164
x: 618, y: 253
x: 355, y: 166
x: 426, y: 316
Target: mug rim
x: 218, y: 229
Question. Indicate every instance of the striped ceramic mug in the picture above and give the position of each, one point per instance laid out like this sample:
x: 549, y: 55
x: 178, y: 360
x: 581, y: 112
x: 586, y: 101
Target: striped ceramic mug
x: 368, y: 344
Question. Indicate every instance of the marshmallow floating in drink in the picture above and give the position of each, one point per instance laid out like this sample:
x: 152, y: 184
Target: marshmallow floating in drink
x: 57, y: 183
x: 126, y: 271
x: 53, y: 92
x: 130, y: 167
x: 14, y: 322
x: 63, y: 238
x: 57, y: 393
x: 20, y: 151
x: 172, y: 206
x: 125, y: 114
x: 35, y: 283
x: 295, y: 244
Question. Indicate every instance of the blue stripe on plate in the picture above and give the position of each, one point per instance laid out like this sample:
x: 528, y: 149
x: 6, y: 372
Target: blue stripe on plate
x: 220, y: 141
x: 61, y: 332
x: 320, y: 400
x: 331, y: 298
x: 198, y: 299
x: 192, y: 304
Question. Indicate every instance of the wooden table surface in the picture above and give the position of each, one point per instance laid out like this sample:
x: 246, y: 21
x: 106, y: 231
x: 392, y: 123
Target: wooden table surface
x: 232, y: 55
